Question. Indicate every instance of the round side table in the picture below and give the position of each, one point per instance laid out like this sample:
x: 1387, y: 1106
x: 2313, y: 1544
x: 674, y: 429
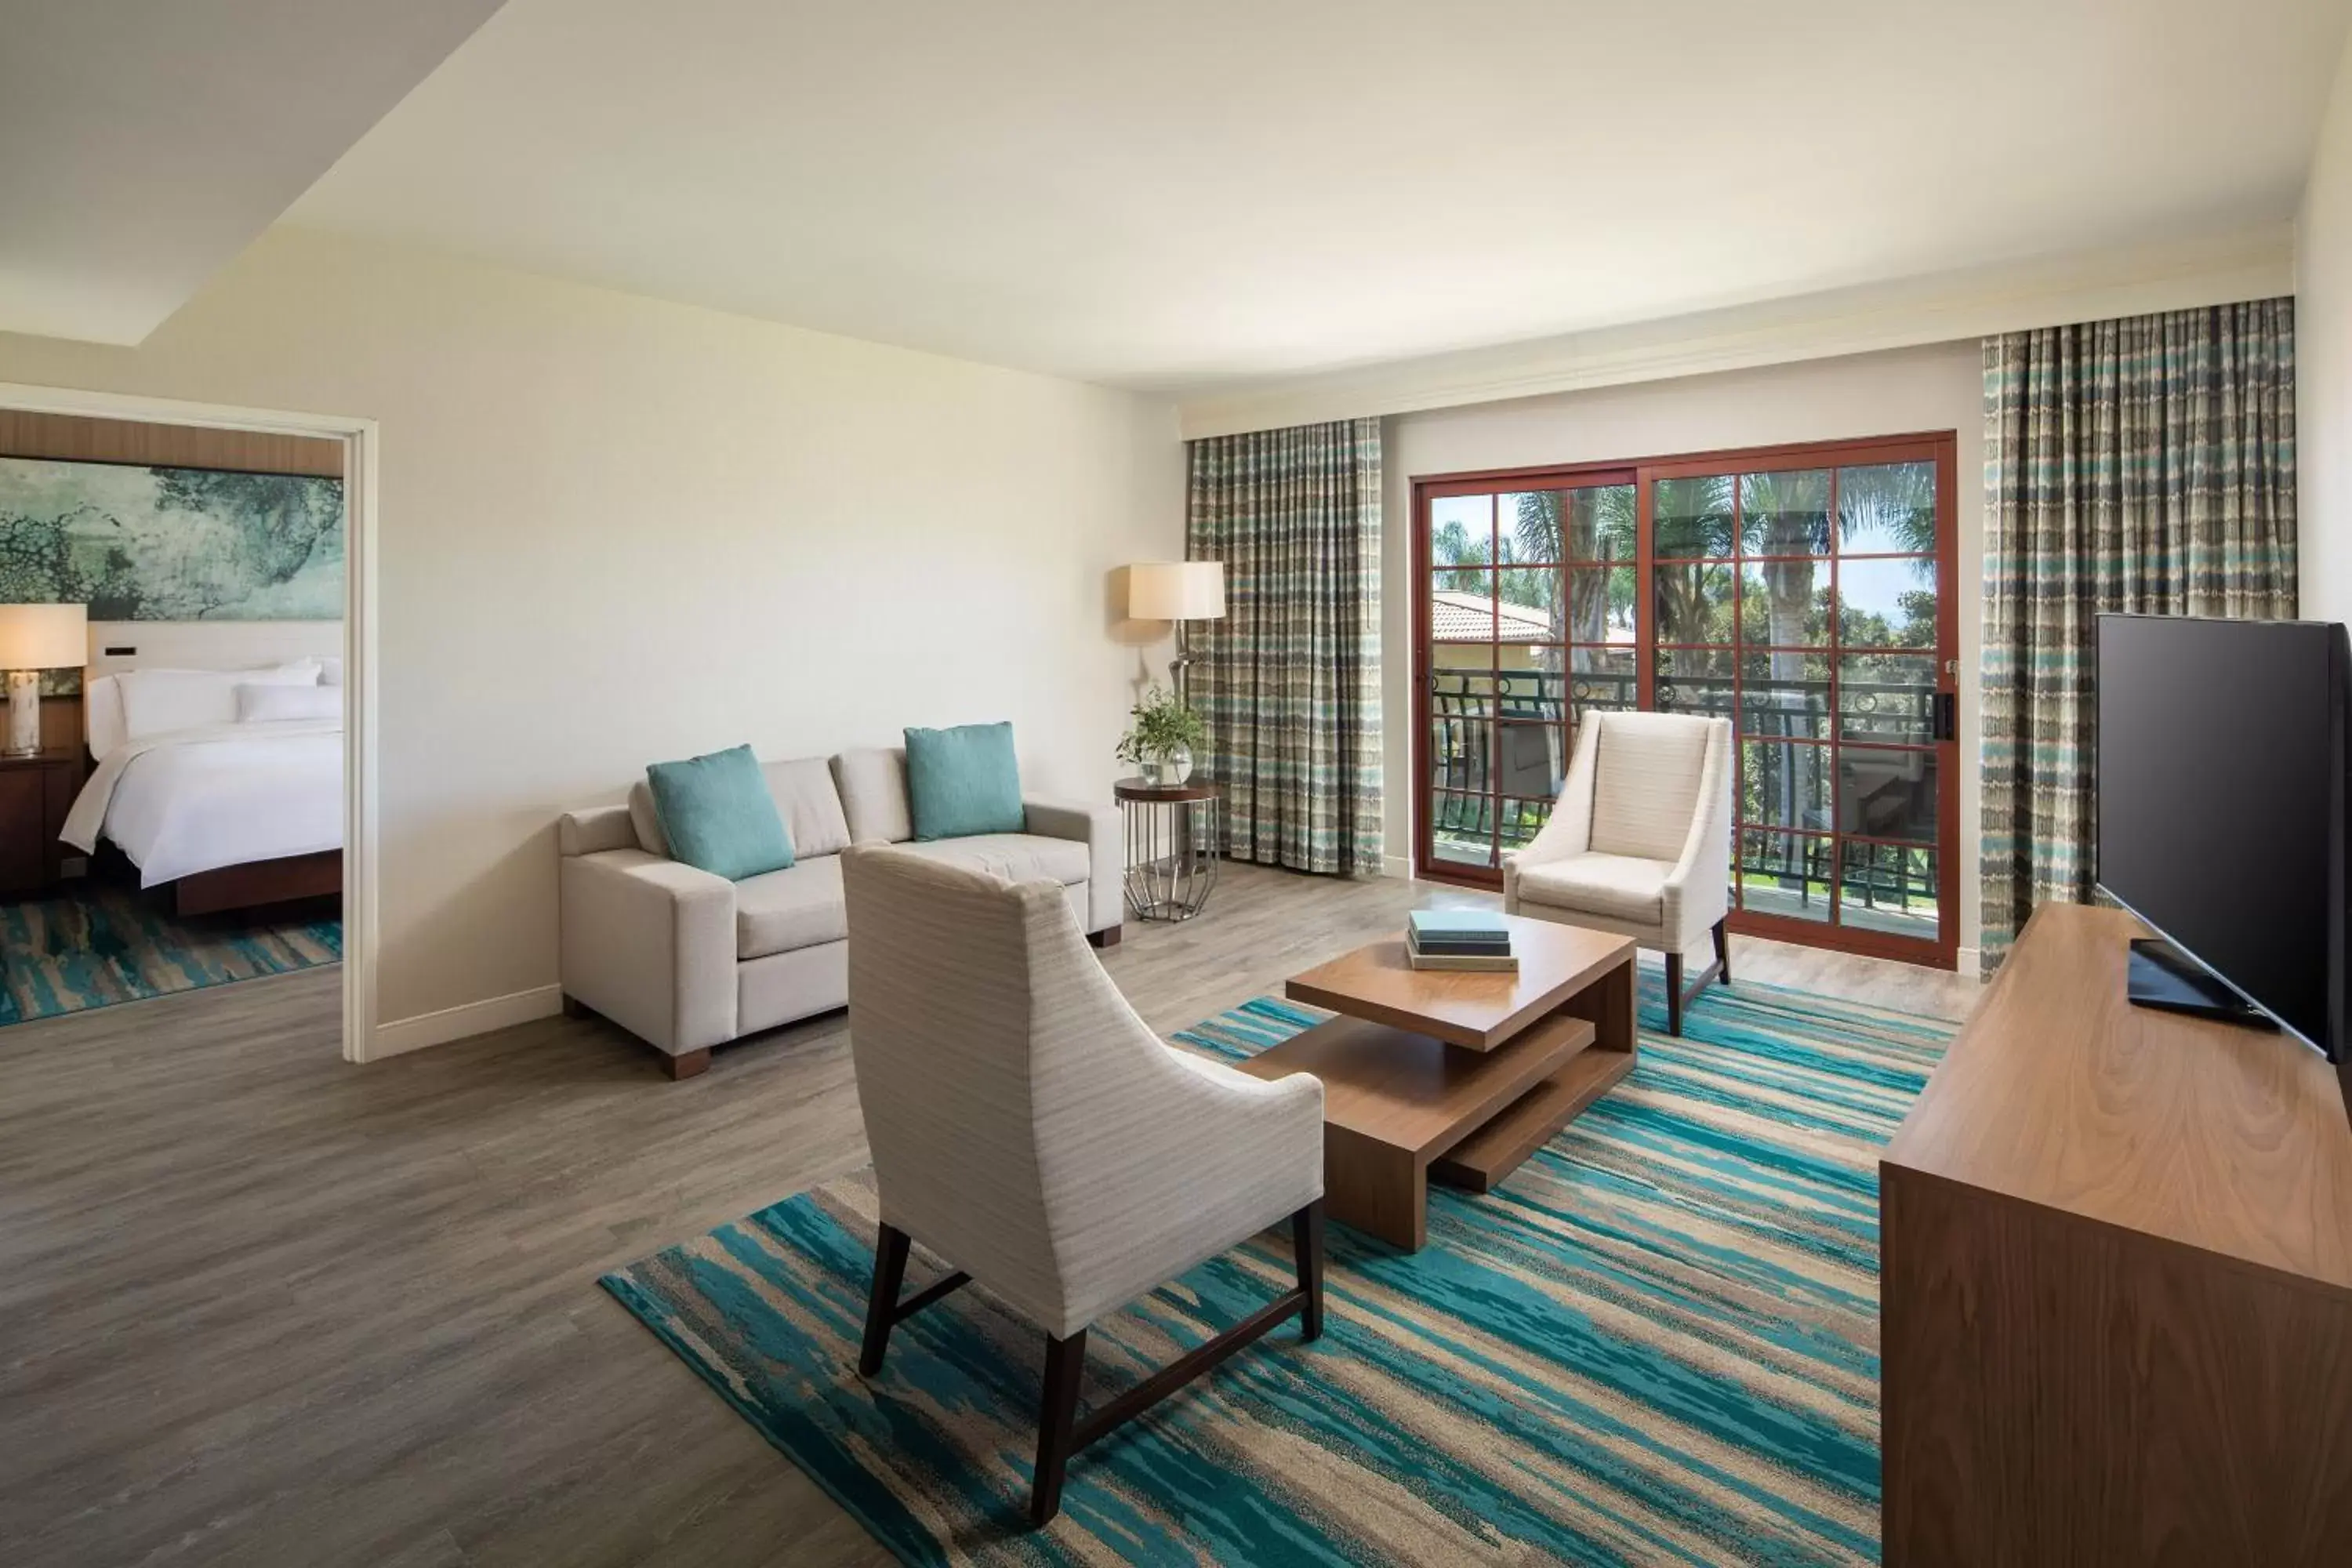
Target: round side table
x: 1174, y: 836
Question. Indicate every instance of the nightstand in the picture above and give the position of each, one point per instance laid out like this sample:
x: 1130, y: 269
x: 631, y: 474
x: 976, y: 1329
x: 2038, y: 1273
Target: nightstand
x: 36, y: 793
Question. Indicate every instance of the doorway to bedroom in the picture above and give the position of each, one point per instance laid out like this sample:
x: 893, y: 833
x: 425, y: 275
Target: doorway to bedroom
x: 172, y: 799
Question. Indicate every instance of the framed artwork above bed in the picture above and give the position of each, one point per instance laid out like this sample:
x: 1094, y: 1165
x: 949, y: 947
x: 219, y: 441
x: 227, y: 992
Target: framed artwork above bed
x: 150, y: 544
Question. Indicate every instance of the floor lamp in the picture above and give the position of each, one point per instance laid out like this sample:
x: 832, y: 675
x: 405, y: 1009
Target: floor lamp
x: 1176, y: 590
x: 35, y: 638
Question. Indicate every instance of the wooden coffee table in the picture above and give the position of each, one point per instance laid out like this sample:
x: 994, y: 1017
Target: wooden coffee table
x: 1451, y: 1074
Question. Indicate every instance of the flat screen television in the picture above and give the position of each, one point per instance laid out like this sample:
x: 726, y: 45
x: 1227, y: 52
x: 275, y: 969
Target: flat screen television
x: 2222, y: 761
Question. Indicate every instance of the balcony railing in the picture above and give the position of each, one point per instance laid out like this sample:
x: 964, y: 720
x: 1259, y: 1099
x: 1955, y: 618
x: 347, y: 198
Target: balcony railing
x: 1785, y: 787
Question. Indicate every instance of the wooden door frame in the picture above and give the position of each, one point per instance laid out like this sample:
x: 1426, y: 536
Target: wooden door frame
x: 1578, y: 476
x: 1941, y: 447
x: 362, y: 926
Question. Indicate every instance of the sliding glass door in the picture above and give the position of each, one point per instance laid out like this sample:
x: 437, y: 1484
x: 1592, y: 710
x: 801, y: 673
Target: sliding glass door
x: 1529, y: 618
x: 1798, y: 591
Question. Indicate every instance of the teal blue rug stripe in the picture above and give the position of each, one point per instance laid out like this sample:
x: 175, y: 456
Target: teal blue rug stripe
x: 100, y: 944
x: 1657, y: 1343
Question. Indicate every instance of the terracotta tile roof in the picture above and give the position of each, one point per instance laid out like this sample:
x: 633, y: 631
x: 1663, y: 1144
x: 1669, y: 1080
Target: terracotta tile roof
x: 1473, y: 617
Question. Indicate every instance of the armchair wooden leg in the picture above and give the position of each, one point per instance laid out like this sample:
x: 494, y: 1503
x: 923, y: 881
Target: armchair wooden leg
x: 1106, y: 937
x: 692, y: 1064
x: 1678, y: 998
x: 1307, y: 1241
x: 1061, y: 1434
x: 1057, y: 1424
x: 882, y: 1306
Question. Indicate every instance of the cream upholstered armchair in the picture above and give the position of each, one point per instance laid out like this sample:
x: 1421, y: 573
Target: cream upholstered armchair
x: 1028, y: 1127
x: 1640, y: 843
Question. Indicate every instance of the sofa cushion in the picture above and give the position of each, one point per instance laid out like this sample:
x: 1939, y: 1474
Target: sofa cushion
x: 811, y: 807
x: 872, y: 781
x: 963, y: 781
x: 718, y: 814
x: 783, y: 912
x: 1646, y: 782
x: 1623, y: 886
x: 1015, y: 856
x: 805, y: 793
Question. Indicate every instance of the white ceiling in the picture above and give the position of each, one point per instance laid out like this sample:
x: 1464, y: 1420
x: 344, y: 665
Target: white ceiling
x: 1185, y: 196
x: 1168, y: 196
x: 150, y: 141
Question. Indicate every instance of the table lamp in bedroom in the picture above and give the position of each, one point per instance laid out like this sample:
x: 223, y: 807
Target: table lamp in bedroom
x: 35, y: 638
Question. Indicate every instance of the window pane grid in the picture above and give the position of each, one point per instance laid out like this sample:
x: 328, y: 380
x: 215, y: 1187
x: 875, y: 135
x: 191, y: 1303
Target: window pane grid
x: 1784, y: 694
x: 1510, y: 659
x: 1815, y: 713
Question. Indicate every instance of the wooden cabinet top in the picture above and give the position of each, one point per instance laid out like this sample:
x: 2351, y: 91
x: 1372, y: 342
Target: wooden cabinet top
x: 2060, y: 1092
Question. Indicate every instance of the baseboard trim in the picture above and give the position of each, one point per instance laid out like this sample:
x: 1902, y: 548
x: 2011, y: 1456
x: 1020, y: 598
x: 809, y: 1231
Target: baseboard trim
x: 404, y: 1035
x: 1397, y: 866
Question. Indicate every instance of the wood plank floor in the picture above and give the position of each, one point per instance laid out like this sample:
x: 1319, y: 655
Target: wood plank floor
x: 258, y: 1305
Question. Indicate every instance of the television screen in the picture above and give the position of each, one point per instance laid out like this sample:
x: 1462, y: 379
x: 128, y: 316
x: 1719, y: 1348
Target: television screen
x: 2219, y: 783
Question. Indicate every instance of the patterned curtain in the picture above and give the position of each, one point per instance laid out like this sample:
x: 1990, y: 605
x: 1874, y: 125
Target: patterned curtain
x: 2146, y: 464
x: 1290, y: 680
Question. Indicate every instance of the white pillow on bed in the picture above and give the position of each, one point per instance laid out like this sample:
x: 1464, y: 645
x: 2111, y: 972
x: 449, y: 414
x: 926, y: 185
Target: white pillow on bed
x: 265, y: 703
x: 157, y: 702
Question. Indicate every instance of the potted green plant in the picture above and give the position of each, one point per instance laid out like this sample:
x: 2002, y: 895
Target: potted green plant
x: 1161, y: 737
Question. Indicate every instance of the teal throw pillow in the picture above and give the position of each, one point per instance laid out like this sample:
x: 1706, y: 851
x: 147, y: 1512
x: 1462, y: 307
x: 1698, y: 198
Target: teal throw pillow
x: 963, y: 781
x: 718, y: 816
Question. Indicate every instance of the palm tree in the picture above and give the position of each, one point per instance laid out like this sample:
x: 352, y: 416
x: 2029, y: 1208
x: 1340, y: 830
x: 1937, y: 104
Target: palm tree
x: 1892, y: 507
x: 1784, y: 514
x: 1592, y: 526
x: 1535, y: 536
x: 1452, y: 544
x: 1896, y: 499
x: 1698, y: 523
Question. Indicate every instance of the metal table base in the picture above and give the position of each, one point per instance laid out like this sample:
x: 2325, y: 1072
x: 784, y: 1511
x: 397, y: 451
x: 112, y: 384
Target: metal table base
x: 1173, y: 845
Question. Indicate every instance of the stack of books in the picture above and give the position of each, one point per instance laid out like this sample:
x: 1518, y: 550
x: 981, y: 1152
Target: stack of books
x: 1459, y: 939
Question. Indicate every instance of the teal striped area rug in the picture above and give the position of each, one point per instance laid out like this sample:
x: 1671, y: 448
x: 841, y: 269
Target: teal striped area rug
x: 1657, y: 1343
x: 102, y: 945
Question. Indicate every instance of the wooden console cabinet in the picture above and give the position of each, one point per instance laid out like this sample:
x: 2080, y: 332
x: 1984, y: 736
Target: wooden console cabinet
x: 2116, y: 1283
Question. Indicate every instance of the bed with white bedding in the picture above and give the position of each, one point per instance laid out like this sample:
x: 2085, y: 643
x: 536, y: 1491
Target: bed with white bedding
x: 227, y: 784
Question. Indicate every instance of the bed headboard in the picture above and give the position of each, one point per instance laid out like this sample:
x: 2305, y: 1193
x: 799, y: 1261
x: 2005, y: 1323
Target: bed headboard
x: 118, y: 646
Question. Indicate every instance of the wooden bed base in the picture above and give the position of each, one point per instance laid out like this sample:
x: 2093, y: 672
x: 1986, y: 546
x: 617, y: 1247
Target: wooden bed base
x: 261, y: 882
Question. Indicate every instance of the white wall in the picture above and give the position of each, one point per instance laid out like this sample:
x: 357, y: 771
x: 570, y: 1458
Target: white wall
x: 615, y: 530
x: 2323, y: 381
x: 1902, y: 392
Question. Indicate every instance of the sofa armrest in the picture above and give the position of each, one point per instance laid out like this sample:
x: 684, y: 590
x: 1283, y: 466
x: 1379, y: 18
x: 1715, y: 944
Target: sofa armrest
x: 650, y: 943
x: 1097, y: 827
x: 597, y: 828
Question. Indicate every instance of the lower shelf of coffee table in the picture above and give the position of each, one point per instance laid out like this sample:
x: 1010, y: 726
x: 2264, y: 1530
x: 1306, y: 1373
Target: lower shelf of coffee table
x: 1412, y: 1093
x: 1480, y: 1162
x: 1400, y: 1107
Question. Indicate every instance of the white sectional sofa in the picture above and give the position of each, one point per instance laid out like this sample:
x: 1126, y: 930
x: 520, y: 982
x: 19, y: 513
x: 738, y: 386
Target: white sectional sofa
x: 687, y: 960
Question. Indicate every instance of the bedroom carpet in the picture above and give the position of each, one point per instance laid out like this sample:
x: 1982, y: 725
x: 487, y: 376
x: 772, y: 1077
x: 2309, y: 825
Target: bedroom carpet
x: 1657, y: 1343
x: 102, y: 944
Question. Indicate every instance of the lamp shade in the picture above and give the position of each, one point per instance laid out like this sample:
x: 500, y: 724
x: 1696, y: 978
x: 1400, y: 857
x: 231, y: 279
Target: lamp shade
x: 44, y: 637
x: 1176, y: 590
